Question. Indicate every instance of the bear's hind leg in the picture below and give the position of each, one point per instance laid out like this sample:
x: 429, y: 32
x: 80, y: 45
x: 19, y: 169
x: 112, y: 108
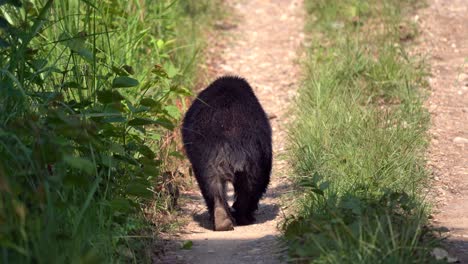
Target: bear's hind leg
x: 221, y: 215
x: 246, y: 202
x: 222, y: 219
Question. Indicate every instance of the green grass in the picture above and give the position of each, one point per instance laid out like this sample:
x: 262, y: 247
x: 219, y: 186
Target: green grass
x: 88, y: 94
x: 358, y: 140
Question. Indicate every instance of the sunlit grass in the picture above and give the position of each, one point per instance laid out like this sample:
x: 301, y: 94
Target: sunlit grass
x: 358, y: 140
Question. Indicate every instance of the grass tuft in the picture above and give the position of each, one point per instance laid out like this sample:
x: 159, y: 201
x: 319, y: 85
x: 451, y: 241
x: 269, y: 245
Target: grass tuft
x: 358, y: 140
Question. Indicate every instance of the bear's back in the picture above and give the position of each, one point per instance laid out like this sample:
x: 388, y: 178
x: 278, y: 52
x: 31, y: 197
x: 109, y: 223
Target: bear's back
x: 228, y: 108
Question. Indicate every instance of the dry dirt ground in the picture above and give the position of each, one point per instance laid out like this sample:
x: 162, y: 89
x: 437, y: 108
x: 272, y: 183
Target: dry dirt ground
x: 444, y: 26
x: 259, y: 43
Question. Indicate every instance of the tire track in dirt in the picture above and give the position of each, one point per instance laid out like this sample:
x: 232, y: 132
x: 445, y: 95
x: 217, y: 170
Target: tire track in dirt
x: 444, y: 39
x: 260, y: 46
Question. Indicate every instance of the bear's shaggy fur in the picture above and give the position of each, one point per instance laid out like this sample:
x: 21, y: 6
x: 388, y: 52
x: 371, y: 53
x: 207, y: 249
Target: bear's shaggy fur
x: 227, y: 138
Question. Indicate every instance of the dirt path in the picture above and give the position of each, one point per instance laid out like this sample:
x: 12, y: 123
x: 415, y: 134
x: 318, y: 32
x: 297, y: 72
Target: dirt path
x: 261, y: 47
x: 444, y: 27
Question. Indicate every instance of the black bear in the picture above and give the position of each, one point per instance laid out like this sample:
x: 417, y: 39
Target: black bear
x: 227, y: 138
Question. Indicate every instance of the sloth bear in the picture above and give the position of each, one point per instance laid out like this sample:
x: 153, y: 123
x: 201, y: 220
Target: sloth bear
x: 227, y: 138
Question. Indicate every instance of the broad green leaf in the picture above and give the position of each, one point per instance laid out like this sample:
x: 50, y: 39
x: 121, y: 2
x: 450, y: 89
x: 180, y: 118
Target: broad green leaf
x: 77, y: 180
x: 3, y: 43
x: 16, y: 3
x: 77, y: 44
x: 120, y: 204
x: 109, y: 130
x: 115, y: 119
x: 131, y: 145
x: 324, y: 185
x: 187, y: 244
x: 124, y: 82
x: 173, y: 111
x: 149, y: 102
x: 126, y: 159
x: 130, y: 106
x: 137, y: 131
x: 141, y: 121
x: 117, y: 148
x: 151, y: 171
x: 181, y: 90
x: 317, y: 191
x: 352, y: 203
x: 352, y: 11
x: 107, y: 160
x: 39, y: 64
x: 171, y: 70
x: 138, y: 189
x: 115, y: 107
x: 86, y: 54
x: 146, y: 151
x: 79, y: 163
x: 154, y: 136
x: 160, y: 43
x: 4, y: 23
x: 149, y: 162
x: 141, y: 109
x: 109, y: 96
x: 166, y: 123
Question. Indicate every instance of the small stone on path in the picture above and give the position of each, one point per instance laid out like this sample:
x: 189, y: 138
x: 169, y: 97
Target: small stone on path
x: 460, y: 140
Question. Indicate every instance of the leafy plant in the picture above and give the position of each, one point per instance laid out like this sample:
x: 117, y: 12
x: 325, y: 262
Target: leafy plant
x: 88, y: 91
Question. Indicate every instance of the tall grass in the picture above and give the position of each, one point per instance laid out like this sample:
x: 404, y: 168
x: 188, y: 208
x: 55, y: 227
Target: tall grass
x: 88, y: 89
x: 358, y: 140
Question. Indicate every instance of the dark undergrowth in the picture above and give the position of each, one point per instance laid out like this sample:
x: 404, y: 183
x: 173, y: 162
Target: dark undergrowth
x: 359, y: 138
x: 89, y: 91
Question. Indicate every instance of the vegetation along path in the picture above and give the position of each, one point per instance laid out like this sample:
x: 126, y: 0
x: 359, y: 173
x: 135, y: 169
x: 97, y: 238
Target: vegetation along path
x: 262, y: 49
x: 444, y: 26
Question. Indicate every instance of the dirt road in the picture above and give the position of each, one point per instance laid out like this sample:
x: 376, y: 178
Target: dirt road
x: 444, y: 39
x: 261, y: 46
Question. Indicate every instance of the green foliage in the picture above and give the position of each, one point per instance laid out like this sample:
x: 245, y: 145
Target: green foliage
x: 187, y: 244
x: 358, y: 142
x: 88, y: 88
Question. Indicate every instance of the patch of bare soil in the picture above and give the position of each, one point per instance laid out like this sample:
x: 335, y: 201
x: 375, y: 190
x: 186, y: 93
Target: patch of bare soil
x: 444, y: 38
x: 260, y: 45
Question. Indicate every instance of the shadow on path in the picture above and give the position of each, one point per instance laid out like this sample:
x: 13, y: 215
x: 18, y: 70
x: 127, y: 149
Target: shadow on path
x: 268, y: 247
x: 265, y: 213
